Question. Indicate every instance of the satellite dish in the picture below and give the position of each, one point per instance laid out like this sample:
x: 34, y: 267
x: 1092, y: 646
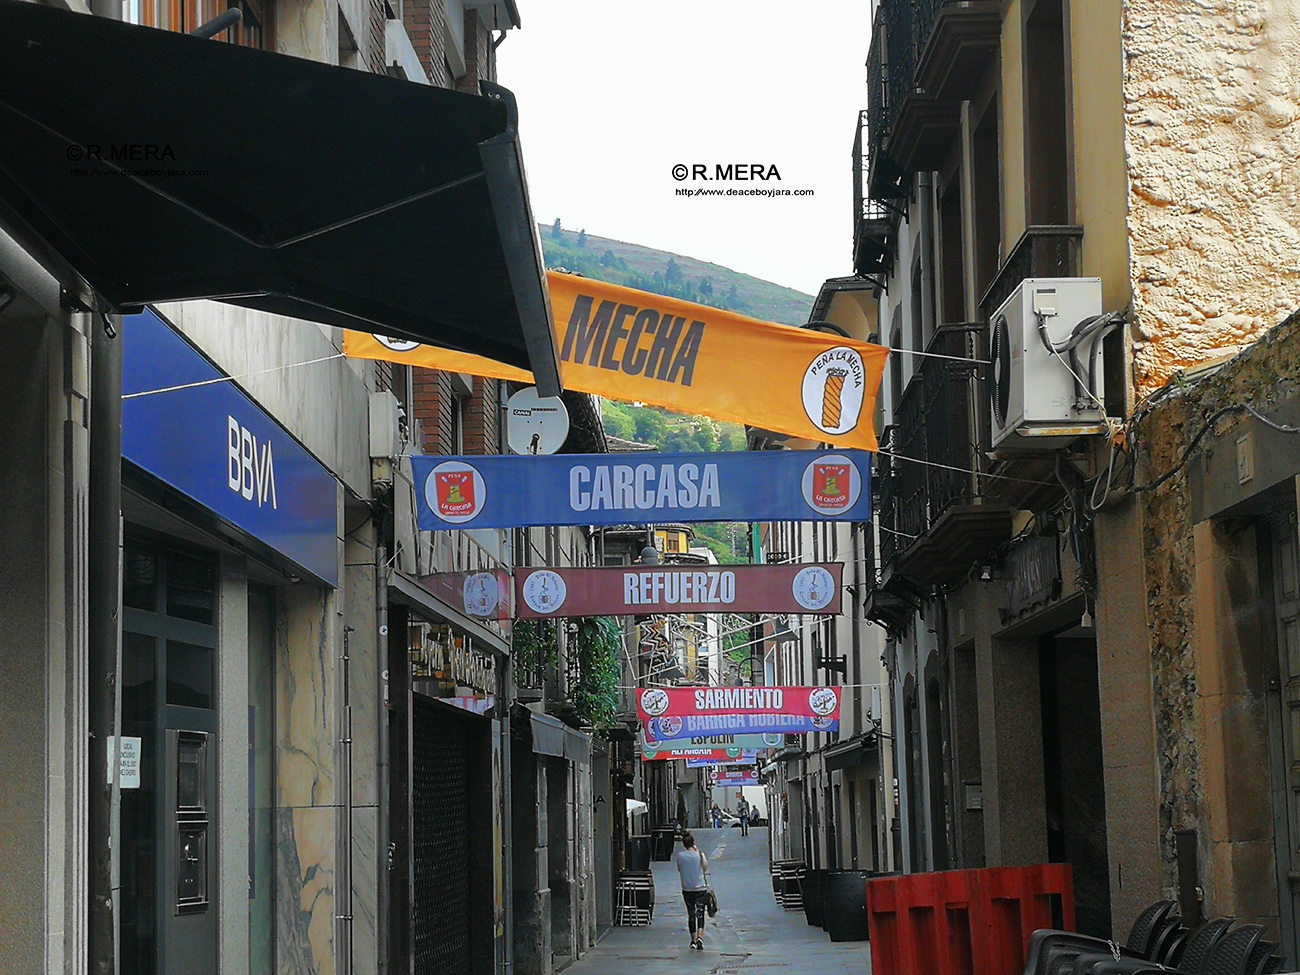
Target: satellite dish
x: 536, y: 424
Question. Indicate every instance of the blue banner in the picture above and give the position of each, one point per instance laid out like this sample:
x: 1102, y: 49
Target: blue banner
x: 669, y: 729
x: 512, y: 491
x: 214, y: 444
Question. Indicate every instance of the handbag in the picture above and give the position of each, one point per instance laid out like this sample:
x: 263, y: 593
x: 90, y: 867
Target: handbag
x: 711, y: 902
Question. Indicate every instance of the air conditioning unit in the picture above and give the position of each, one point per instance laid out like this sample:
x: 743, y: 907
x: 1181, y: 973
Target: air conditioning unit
x: 1040, y: 399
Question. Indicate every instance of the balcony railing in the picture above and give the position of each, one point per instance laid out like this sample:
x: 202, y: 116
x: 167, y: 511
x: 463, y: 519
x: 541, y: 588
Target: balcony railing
x: 873, y: 228
x: 1041, y: 252
x: 937, y: 463
x: 926, y: 57
x: 885, y: 495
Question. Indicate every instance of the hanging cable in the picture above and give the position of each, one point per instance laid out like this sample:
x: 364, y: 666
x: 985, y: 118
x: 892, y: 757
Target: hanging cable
x: 1200, y: 435
x: 227, y: 379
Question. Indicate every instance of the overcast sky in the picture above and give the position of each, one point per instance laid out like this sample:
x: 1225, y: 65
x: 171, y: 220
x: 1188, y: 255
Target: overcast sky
x: 614, y: 93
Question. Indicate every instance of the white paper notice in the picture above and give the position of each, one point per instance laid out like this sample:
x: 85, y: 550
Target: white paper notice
x: 129, y: 764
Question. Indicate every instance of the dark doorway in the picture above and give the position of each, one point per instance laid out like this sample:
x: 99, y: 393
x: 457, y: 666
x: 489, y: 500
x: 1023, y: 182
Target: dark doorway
x: 918, y: 846
x: 1282, y: 569
x: 986, y: 197
x: 1073, y: 782
x: 935, y: 740
x: 170, y: 828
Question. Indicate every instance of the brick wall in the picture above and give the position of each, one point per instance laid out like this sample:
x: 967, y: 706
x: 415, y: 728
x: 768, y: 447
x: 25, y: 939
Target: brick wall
x: 425, y: 21
x: 433, y: 392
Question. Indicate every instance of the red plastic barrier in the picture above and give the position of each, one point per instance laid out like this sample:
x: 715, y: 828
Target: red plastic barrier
x: 964, y: 922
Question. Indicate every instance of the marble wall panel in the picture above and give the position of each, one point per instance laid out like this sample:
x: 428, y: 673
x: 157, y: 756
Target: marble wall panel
x: 305, y: 893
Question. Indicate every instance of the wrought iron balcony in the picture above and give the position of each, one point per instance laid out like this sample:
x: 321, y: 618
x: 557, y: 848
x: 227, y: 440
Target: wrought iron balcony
x: 874, y: 227
x: 935, y: 494
x: 1041, y: 252
x: 926, y: 57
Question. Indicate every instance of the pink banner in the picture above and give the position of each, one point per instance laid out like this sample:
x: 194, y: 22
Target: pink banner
x: 669, y: 713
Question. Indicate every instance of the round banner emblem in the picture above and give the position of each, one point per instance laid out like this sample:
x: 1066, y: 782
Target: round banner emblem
x: 545, y: 591
x: 455, y: 492
x: 813, y: 588
x: 654, y: 701
x: 831, y: 484
x: 481, y: 594
x: 834, y: 386
x: 822, y: 700
x: 396, y: 344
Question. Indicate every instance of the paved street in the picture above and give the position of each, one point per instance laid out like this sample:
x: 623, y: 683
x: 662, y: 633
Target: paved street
x: 750, y: 933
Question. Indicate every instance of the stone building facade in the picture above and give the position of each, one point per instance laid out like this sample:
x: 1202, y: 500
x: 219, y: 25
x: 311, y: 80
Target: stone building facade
x: 1068, y: 648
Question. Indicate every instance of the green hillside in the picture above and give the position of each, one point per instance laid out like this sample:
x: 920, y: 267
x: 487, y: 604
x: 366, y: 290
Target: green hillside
x: 674, y: 275
x: 677, y: 276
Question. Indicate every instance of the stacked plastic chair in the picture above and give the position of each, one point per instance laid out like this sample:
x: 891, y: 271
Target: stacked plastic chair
x: 1054, y: 952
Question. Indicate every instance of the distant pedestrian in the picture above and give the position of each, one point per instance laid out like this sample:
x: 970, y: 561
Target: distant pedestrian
x: 742, y: 810
x: 693, y: 872
x: 716, y: 813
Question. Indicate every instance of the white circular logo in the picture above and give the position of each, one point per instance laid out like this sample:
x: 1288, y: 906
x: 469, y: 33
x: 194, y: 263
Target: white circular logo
x: 394, y: 343
x: 481, y: 594
x: 654, y: 701
x: 831, y: 484
x: 834, y: 386
x: 822, y: 700
x: 544, y: 591
x: 455, y: 491
x: 813, y: 588
x: 773, y: 740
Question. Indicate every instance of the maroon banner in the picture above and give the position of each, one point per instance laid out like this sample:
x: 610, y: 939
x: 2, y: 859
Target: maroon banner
x: 796, y: 588
x: 668, y: 713
x: 483, y: 595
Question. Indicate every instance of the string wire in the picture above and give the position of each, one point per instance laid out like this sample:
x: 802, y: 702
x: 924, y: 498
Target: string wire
x: 226, y: 379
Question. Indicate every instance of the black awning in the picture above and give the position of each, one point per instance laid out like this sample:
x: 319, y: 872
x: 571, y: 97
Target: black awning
x: 159, y: 167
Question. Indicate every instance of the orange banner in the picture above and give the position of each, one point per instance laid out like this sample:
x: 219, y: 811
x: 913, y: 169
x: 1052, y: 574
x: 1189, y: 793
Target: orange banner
x: 637, y: 347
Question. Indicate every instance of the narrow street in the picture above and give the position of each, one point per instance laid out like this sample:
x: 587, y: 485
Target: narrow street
x: 750, y: 934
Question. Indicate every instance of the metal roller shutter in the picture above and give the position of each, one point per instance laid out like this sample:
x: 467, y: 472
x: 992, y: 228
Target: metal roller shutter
x: 440, y: 923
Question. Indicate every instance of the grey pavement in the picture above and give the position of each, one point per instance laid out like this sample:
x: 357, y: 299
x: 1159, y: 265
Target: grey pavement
x: 751, y: 934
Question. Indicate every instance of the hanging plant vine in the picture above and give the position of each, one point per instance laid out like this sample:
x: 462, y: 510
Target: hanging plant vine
x: 594, y: 699
x: 535, y: 646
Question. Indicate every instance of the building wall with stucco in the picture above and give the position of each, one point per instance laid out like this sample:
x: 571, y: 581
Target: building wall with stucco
x: 1212, y: 119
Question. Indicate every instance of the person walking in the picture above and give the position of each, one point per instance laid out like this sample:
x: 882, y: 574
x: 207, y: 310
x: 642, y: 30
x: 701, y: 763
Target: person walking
x: 742, y: 810
x: 717, y: 816
x: 693, y: 872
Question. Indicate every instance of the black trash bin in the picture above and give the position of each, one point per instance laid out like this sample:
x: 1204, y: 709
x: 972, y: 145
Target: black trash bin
x: 661, y: 840
x: 638, y: 854
x: 812, y: 896
x: 844, y: 904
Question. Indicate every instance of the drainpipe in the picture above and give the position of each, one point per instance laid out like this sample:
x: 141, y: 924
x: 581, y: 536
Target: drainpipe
x: 383, y: 845
x: 104, y: 629
x: 104, y: 636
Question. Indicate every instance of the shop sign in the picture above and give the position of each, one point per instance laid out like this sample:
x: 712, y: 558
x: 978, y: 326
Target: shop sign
x: 511, y: 491
x: 541, y: 593
x: 746, y: 758
x: 438, y: 652
x: 637, y: 347
x: 670, y: 713
x: 1033, y: 571
x: 185, y: 423
x: 482, y: 595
